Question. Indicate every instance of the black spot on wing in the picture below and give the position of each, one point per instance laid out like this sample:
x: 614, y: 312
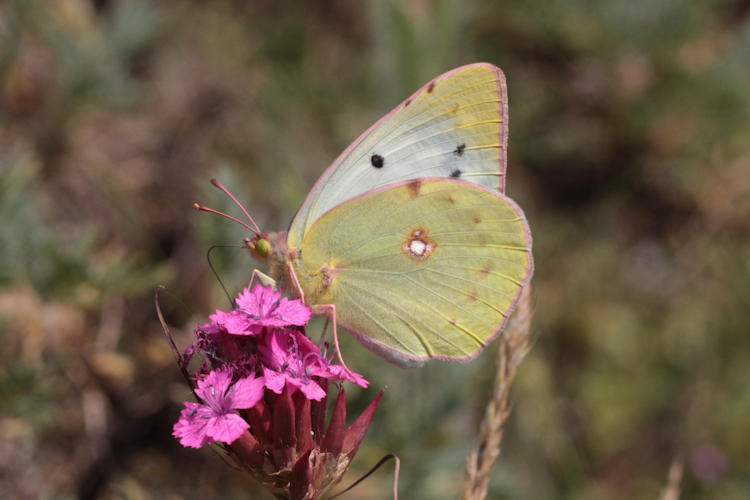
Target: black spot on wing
x: 460, y: 149
x: 456, y: 174
x: 377, y: 161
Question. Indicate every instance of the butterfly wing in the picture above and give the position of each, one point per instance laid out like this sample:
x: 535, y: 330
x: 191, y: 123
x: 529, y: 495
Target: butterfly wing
x: 453, y: 127
x: 429, y: 268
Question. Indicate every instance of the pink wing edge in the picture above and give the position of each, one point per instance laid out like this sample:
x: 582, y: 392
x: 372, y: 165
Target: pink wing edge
x: 406, y: 360
x: 503, y: 137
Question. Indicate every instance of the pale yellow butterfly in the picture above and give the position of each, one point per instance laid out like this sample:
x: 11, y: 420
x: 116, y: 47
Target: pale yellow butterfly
x: 407, y: 240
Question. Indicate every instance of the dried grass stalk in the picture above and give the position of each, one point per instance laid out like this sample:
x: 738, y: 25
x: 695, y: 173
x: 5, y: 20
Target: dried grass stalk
x: 514, y: 345
x: 672, y: 489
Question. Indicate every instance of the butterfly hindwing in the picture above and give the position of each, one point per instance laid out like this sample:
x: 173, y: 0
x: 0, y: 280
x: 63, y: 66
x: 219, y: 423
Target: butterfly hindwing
x: 430, y: 268
x: 453, y: 127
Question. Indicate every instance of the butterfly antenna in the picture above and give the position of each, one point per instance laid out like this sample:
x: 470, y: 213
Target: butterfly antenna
x: 220, y: 186
x: 374, y: 468
x: 201, y: 208
x: 216, y: 273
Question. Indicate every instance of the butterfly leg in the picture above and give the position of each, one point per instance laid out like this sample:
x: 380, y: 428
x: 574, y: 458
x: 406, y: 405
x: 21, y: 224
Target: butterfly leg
x: 262, y: 278
x: 329, y: 311
x: 296, y: 287
x: 321, y: 310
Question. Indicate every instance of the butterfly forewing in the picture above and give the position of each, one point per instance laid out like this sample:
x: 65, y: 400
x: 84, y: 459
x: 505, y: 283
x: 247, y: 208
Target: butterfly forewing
x: 430, y: 268
x: 453, y: 127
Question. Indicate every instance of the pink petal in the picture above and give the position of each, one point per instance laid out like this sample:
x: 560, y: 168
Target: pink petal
x: 274, y: 380
x: 304, y: 344
x: 226, y: 428
x: 191, y: 428
x: 270, y: 309
x: 241, y: 324
x: 357, y: 379
x: 236, y: 322
x: 338, y: 372
x: 294, y: 312
x: 246, y: 392
x: 219, y: 317
x: 276, y: 352
x: 213, y: 386
x: 311, y: 389
x: 258, y: 301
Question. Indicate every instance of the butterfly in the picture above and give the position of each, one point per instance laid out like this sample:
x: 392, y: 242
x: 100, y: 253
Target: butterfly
x: 407, y: 240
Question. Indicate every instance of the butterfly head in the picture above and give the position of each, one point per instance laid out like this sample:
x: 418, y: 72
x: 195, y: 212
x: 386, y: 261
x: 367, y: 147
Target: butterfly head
x: 271, y: 249
x: 268, y: 246
x: 259, y: 246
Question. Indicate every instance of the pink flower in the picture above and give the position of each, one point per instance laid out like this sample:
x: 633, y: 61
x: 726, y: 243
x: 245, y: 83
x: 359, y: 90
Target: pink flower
x: 261, y: 307
x: 280, y: 436
x: 290, y: 358
x: 217, y: 419
x: 287, y: 359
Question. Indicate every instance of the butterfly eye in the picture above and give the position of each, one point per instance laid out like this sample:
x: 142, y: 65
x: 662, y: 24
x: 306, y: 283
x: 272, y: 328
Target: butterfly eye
x: 259, y: 247
x: 263, y: 247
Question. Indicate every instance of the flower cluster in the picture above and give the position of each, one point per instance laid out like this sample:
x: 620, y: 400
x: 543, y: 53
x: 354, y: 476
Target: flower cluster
x: 262, y: 391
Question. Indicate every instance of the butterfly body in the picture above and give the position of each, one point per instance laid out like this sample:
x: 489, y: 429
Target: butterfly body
x: 408, y: 238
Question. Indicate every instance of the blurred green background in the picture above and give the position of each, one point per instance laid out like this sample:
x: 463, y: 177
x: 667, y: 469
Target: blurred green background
x: 629, y: 152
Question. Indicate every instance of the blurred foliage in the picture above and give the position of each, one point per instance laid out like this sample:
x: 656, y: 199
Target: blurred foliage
x: 629, y: 153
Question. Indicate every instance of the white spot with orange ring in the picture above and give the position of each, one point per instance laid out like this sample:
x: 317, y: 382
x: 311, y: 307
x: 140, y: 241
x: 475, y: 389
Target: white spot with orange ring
x: 417, y: 248
x: 418, y: 245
